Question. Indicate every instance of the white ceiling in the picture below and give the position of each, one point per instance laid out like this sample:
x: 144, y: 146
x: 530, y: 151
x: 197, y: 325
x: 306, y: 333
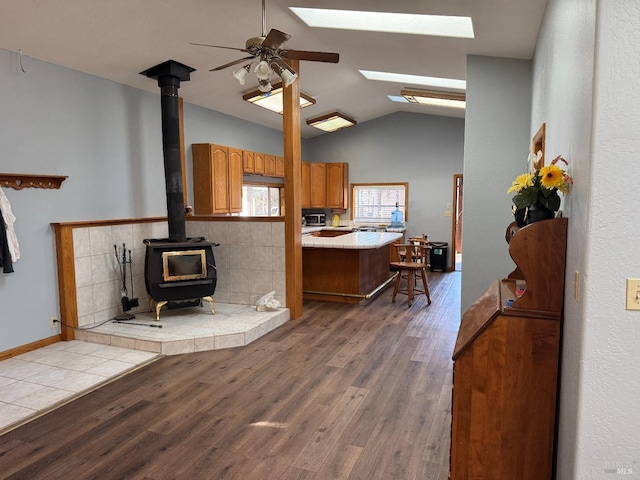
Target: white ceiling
x: 117, y: 39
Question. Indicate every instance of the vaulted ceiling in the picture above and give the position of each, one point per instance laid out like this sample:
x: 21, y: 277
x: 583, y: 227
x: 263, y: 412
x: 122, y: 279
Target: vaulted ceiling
x: 117, y: 39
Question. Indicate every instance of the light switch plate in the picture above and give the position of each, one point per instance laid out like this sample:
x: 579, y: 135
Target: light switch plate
x: 633, y: 293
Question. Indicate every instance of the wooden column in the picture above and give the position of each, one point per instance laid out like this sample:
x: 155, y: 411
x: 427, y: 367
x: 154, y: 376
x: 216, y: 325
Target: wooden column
x: 66, y: 280
x: 292, y: 194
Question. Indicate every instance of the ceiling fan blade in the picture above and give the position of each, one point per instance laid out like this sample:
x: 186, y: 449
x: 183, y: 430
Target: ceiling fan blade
x: 311, y: 56
x: 235, y: 62
x: 275, y: 38
x: 219, y: 46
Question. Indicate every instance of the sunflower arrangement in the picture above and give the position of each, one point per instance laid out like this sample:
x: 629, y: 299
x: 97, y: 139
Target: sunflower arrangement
x: 541, y: 187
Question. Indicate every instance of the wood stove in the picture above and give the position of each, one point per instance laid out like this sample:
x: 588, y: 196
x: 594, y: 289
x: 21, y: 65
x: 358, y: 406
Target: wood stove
x: 179, y: 271
x: 179, y: 274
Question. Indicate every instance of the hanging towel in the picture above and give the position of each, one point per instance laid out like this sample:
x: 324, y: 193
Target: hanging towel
x: 9, y: 219
x: 5, y: 255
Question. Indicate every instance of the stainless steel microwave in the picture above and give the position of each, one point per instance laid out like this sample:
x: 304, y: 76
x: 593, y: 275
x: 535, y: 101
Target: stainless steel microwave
x: 315, y: 219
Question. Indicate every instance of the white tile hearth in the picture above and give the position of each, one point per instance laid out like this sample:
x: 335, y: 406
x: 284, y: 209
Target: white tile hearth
x: 186, y: 330
x: 36, y: 382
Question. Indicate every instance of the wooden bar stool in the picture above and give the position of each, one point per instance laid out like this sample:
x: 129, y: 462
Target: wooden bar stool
x: 413, y: 265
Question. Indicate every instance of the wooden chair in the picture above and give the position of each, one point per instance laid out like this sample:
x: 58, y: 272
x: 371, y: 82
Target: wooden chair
x: 413, y: 264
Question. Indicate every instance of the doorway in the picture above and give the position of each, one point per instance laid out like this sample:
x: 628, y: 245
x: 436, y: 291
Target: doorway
x: 456, y: 222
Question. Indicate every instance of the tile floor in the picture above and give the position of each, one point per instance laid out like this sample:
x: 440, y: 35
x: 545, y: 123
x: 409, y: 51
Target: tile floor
x: 36, y: 382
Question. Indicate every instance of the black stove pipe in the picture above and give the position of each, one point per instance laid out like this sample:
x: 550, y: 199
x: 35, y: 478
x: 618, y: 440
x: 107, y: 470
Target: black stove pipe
x: 169, y: 75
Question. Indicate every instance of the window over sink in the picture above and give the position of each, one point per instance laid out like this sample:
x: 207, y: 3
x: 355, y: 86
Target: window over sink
x: 372, y: 203
x: 261, y: 200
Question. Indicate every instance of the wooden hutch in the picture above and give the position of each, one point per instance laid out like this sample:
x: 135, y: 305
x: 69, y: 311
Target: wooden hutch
x: 506, y: 364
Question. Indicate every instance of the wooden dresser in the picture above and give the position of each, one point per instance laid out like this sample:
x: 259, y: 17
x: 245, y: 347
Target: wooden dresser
x: 506, y: 365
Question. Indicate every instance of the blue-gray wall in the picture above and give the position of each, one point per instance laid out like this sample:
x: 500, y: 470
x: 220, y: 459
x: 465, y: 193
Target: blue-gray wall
x: 424, y: 150
x: 496, y: 147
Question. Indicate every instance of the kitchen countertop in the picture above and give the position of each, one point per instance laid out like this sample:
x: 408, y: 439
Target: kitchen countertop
x: 306, y: 230
x: 354, y: 240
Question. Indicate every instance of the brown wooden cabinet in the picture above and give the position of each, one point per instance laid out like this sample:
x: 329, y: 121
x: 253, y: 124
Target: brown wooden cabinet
x: 279, y: 167
x: 217, y: 179
x: 235, y: 180
x: 337, y: 185
x: 248, y: 165
x: 270, y: 165
x: 258, y: 163
x: 318, y: 184
x: 325, y: 185
x: 506, y: 364
x: 306, y: 185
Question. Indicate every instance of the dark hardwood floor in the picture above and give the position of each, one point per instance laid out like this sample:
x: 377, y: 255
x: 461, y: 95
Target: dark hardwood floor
x: 344, y: 392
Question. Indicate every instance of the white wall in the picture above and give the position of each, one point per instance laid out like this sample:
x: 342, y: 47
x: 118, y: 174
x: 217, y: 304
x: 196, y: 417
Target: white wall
x: 496, y: 146
x: 562, y: 97
x: 424, y: 150
x: 108, y: 139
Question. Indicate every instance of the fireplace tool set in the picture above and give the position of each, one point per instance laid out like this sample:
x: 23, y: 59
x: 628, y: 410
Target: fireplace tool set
x: 127, y: 303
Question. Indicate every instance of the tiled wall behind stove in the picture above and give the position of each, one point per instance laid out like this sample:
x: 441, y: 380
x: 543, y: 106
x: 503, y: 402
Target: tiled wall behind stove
x: 98, y: 274
x: 250, y: 259
x: 250, y: 263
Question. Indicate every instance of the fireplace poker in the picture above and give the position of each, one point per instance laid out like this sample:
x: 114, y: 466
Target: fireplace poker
x: 139, y: 324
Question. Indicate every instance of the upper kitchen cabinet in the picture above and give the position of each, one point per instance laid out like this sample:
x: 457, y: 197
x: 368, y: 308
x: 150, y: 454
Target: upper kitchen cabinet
x: 235, y: 180
x: 306, y: 185
x: 269, y: 165
x: 279, y: 167
x: 258, y: 163
x: 337, y: 185
x: 248, y: 164
x: 217, y: 179
x: 318, y: 182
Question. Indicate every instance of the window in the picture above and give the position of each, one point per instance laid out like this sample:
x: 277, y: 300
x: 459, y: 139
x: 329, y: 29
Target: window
x: 260, y: 200
x: 373, y: 202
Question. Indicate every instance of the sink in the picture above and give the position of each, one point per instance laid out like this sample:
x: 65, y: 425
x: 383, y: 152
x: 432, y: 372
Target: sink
x: 329, y: 233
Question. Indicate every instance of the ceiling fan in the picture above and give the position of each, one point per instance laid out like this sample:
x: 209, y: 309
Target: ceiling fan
x: 266, y: 50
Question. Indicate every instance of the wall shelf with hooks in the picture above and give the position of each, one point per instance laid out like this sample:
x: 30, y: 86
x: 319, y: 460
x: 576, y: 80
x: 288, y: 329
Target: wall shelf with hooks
x: 19, y: 181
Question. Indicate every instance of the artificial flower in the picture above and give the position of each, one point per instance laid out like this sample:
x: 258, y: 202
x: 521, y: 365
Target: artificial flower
x: 541, y: 187
x: 522, y: 181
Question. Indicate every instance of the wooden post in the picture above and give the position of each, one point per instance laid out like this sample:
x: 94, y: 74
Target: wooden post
x: 292, y: 193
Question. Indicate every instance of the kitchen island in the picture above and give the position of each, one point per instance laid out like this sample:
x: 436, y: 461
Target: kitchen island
x: 346, y: 268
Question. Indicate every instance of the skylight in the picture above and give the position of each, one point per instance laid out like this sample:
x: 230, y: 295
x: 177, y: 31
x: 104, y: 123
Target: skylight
x: 436, y: 82
x: 416, y: 24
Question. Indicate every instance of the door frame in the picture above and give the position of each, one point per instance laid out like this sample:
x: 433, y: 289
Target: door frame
x: 452, y: 256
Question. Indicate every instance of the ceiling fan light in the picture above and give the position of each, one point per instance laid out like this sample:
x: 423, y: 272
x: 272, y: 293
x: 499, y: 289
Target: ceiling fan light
x: 263, y: 70
x: 285, y: 72
x: 288, y: 77
x: 264, y: 86
x: 241, y: 73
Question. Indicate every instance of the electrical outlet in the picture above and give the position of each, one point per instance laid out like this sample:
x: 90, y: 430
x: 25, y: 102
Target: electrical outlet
x: 54, y: 320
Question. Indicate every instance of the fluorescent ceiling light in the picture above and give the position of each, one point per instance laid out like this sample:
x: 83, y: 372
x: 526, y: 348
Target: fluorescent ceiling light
x: 415, y: 79
x: 417, y: 24
x: 331, y: 122
x: 438, y: 99
x: 273, y: 100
